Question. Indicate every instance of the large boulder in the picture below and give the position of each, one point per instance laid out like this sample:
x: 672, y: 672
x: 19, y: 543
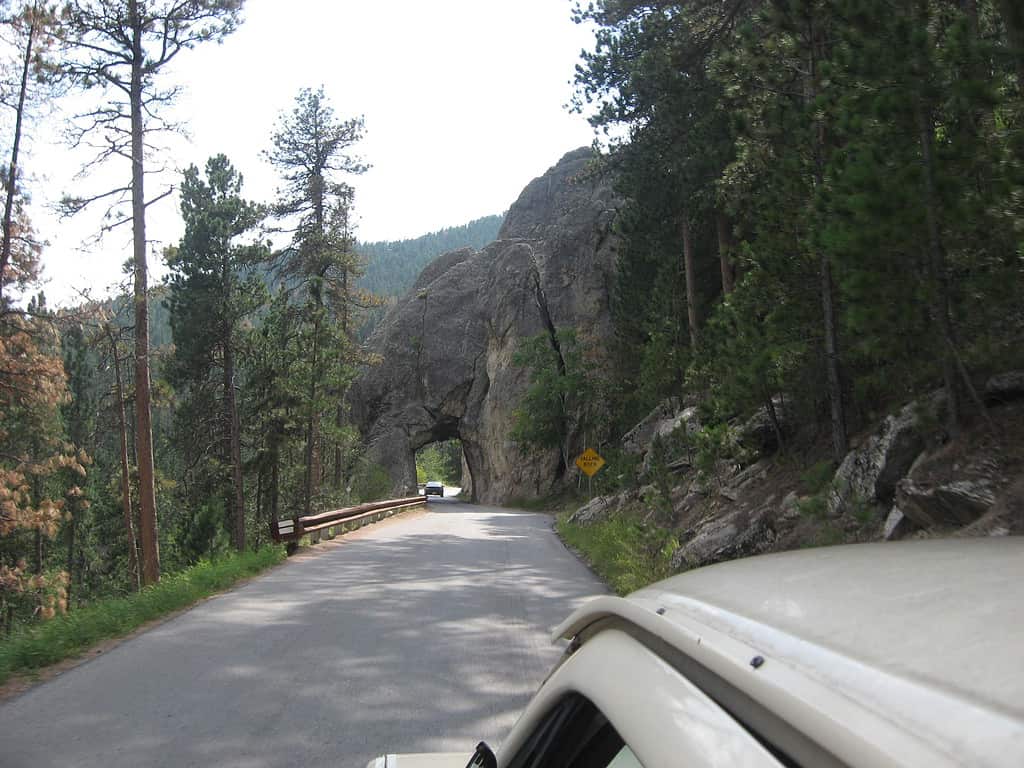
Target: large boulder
x: 870, y: 473
x: 638, y: 439
x: 601, y: 508
x: 740, y: 532
x: 1004, y: 387
x: 447, y: 346
x: 949, y: 505
x: 761, y: 432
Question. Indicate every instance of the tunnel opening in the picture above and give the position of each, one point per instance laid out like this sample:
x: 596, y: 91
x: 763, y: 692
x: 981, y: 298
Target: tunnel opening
x: 442, y: 461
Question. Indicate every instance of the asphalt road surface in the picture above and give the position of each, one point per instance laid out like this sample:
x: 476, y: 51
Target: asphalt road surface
x: 427, y: 632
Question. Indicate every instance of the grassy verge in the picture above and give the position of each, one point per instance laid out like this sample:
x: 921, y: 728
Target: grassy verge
x: 625, y: 553
x: 66, y: 636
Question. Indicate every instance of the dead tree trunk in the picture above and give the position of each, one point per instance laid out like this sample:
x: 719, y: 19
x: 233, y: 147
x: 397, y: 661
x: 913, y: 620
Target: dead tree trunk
x: 12, y: 171
x: 126, y: 484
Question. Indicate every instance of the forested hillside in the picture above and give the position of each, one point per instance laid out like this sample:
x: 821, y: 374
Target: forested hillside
x: 824, y: 222
x: 168, y: 426
x: 393, y: 265
x: 172, y: 425
x: 827, y: 201
x: 819, y: 280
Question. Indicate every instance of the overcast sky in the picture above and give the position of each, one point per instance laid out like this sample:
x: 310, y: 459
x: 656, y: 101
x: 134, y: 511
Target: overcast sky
x: 463, y: 100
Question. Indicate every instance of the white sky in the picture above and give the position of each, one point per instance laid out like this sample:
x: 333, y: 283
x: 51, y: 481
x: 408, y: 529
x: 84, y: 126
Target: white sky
x: 463, y: 101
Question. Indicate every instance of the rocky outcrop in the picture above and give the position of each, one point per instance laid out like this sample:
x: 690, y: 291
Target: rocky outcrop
x: 447, y: 345
x: 770, y: 425
x: 638, y: 439
x: 902, y: 480
x: 949, y: 505
x: 897, y: 525
x: 1004, y: 387
x: 601, y: 508
x: 870, y: 473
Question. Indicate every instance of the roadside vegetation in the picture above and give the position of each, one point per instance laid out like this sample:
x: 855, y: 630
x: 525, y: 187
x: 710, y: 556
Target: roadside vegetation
x: 822, y: 223
x: 623, y: 551
x: 440, y: 461
x: 70, y: 634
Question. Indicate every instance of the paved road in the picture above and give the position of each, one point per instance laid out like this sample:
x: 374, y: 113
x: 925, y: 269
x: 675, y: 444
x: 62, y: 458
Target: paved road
x: 426, y: 632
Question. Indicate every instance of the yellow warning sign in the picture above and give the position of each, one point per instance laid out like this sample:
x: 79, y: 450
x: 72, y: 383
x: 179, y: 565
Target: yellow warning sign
x: 589, y: 462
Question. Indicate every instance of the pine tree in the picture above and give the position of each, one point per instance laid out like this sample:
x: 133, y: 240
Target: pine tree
x: 311, y: 149
x: 211, y: 297
x: 120, y: 49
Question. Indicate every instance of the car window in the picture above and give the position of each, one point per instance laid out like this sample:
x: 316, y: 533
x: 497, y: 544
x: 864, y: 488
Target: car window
x: 574, y: 735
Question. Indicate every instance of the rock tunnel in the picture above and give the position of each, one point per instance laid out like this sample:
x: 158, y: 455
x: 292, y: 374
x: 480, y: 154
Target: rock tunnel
x: 446, y: 347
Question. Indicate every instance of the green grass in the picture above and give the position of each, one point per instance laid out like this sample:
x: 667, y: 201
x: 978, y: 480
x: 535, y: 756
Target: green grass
x: 622, y: 551
x: 67, y: 636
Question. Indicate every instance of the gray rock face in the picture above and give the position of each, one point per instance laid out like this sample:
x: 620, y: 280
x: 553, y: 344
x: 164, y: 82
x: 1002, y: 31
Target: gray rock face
x: 739, y: 533
x: 600, y: 508
x: 897, y: 525
x: 870, y: 473
x: 638, y: 439
x: 447, y: 345
x: 760, y: 431
x: 949, y: 505
x: 1005, y: 387
x: 661, y: 422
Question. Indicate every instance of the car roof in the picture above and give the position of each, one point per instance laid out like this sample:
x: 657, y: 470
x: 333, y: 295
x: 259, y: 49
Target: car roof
x: 921, y: 634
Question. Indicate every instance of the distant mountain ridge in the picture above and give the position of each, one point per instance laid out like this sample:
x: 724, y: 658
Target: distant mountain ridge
x: 392, y: 266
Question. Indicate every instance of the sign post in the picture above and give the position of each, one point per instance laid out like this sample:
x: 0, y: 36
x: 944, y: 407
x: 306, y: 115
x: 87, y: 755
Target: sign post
x: 590, y: 462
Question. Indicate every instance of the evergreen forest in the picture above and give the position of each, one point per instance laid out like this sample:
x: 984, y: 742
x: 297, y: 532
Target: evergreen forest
x: 825, y: 217
x: 391, y: 266
x: 826, y: 208
x: 169, y: 426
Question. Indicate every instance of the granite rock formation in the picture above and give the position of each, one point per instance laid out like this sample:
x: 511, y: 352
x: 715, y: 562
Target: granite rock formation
x: 446, y: 347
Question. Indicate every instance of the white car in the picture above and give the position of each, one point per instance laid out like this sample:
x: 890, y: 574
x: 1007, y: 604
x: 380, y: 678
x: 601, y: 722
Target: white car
x: 900, y: 654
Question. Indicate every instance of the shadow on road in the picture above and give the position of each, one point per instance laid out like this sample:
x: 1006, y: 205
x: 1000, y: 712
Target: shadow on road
x: 427, y: 635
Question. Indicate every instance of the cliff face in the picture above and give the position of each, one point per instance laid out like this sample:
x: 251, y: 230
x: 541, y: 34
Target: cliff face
x: 446, y: 347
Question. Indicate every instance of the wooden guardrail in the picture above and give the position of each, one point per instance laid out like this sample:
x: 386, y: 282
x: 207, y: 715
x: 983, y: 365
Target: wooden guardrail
x: 294, y: 529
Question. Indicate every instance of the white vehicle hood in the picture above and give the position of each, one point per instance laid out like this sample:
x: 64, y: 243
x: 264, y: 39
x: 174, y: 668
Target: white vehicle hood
x: 422, y: 760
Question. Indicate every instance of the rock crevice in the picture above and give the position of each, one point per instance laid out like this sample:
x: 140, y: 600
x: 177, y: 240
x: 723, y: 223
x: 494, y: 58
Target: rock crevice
x: 447, y: 346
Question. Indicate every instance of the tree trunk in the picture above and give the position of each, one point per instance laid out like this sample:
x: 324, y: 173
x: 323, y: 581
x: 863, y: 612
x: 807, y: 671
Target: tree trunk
x: 939, y: 295
x: 344, y: 303
x: 143, y: 420
x: 690, y: 273
x: 12, y: 177
x: 234, y: 448
x: 339, y: 419
x: 940, y: 302
x: 275, y: 488
x: 833, y: 372
x: 312, y: 425
x: 259, y: 505
x: 37, y: 559
x: 725, y: 253
x: 1013, y: 20
x: 72, y: 530
x: 126, y: 484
